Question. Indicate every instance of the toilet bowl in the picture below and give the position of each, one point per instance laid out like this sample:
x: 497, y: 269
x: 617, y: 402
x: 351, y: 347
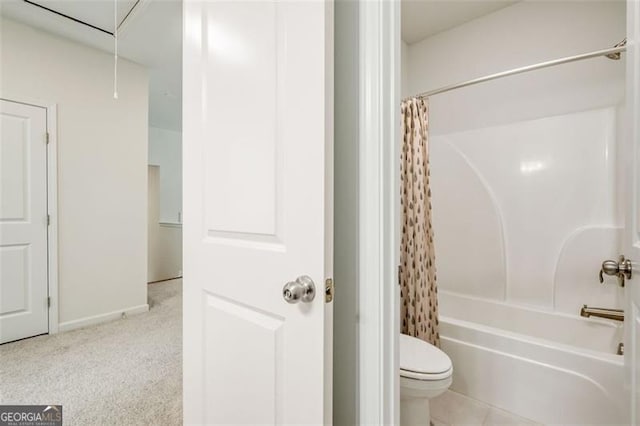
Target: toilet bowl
x: 425, y: 372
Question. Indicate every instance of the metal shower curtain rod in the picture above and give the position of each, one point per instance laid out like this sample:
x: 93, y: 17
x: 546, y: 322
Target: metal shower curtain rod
x: 594, y: 54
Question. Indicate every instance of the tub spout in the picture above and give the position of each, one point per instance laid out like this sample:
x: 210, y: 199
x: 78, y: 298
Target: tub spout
x: 612, y: 314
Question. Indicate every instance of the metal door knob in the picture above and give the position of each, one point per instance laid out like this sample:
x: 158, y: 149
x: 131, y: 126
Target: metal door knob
x: 621, y: 269
x: 300, y: 290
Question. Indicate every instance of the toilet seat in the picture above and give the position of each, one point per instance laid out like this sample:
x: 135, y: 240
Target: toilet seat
x: 420, y: 360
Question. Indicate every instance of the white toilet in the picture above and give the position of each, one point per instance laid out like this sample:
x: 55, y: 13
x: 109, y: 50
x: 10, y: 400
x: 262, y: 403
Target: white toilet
x: 425, y: 372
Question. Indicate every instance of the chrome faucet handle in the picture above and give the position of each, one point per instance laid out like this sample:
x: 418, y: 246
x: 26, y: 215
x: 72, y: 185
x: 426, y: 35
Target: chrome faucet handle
x: 609, y: 267
x: 621, y: 269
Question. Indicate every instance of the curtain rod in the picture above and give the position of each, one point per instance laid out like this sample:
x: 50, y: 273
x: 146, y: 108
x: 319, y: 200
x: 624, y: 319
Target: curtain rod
x: 594, y: 54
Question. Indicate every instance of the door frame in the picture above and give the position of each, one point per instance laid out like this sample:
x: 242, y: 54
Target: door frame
x: 631, y: 243
x: 51, y: 110
x: 379, y: 212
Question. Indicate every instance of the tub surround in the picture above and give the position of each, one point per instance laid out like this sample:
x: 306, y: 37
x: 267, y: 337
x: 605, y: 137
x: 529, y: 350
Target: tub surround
x: 541, y: 219
x: 524, y: 176
x: 514, y: 308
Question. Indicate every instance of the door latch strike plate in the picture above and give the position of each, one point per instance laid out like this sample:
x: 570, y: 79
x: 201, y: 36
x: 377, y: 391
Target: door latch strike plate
x: 328, y: 290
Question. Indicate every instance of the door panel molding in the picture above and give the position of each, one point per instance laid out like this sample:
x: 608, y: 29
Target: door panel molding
x: 261, y: 348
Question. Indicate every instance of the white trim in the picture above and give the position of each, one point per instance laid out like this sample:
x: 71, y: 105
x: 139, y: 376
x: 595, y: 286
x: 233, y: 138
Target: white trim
x: 631, y: 187
x: 329, y: 205
x: 52, y: 201
x: 101, y: 318
x: 52, y: 211
x: 378, y: 288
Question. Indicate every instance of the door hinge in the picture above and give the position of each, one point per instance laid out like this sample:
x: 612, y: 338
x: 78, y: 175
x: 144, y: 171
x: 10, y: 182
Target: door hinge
x: 48, y: 220
x: 46, y: 138
x: 328, y: 290
x: 48, y: 302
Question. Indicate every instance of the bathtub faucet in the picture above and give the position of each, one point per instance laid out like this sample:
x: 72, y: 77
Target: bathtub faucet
x: 612, y: 314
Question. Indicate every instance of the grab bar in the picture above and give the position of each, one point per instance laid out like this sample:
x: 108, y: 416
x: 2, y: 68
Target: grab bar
x: 612, y: 314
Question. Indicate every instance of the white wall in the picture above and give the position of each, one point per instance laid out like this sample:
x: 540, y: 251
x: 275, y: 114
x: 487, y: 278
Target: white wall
x: 165, y: 150
x: 102, y: 166
x: 524, y: 168
x: 405, y: 90
x: 345, y: 267
x: 523, y: 34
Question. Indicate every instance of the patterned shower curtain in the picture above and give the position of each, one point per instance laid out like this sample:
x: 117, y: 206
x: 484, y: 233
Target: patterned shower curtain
x: 419, y: 294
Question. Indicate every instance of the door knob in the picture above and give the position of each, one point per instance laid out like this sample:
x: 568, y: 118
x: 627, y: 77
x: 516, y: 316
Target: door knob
x: 300, y: 290
x: 621, y: 269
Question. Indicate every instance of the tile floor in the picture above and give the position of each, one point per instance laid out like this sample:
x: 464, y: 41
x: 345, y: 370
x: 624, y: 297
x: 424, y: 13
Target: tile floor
x: 452, y: 408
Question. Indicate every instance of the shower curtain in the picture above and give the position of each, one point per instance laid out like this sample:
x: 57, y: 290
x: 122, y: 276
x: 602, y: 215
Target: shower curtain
x: 419, y: 301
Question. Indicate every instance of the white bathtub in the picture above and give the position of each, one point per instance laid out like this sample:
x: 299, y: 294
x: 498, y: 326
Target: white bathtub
x: 549, y: 367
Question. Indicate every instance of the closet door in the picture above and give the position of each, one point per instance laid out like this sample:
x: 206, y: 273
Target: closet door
x: 23, y: 221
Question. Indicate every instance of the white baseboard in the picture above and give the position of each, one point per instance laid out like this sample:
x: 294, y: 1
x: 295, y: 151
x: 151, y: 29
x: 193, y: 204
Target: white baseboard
x: 98, y: 319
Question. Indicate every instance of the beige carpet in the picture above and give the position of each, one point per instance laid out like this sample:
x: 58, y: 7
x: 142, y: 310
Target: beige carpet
x: 127, y: 372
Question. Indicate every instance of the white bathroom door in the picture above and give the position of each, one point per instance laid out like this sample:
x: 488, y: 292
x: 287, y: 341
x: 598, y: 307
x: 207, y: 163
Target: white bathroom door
x: 257, y: 156
x: 23, y: 221
x: 632, y: 197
